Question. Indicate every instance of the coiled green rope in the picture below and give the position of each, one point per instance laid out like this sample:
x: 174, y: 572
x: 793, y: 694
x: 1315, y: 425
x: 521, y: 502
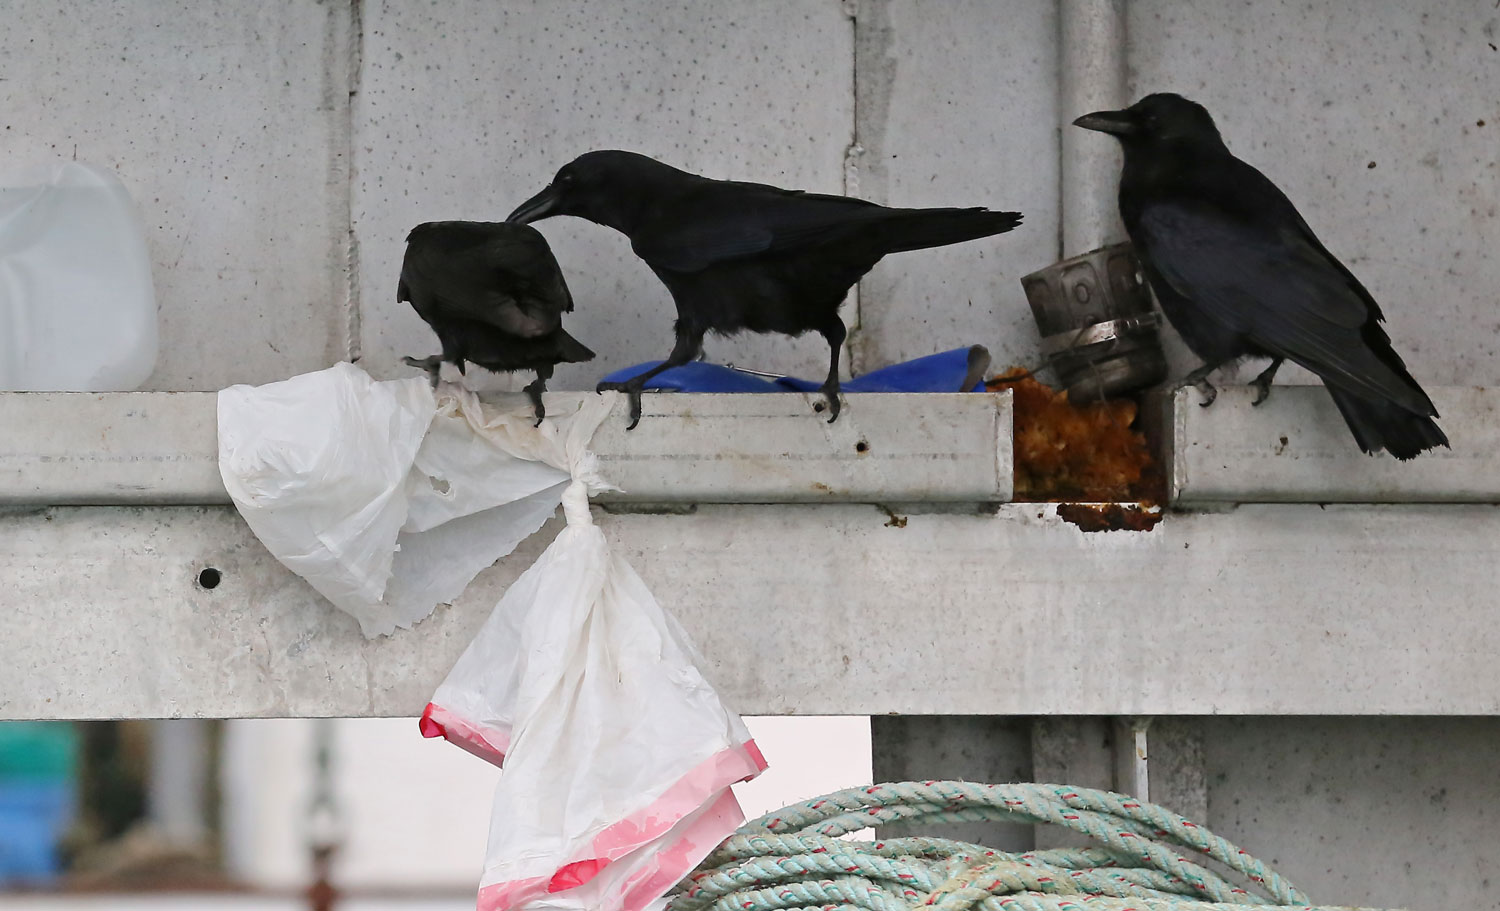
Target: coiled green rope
x: 793, y: 859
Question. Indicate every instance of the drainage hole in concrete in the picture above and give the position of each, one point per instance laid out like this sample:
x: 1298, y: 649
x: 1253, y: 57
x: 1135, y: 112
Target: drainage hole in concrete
x: 210, y: 578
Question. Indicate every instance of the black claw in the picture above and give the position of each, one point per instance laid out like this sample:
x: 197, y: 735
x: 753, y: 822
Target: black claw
x: 632, y: 392
x: 1209, y: 394
x: 1262, y: 383
x: 832, y: 396
x: 534, y: 393
x: 433, y: 365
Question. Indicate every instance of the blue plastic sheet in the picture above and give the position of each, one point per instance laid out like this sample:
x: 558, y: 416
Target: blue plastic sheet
x: 946, y: 371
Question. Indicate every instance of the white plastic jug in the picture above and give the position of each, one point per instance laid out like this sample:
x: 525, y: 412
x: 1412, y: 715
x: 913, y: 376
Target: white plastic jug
x: 77, y: 308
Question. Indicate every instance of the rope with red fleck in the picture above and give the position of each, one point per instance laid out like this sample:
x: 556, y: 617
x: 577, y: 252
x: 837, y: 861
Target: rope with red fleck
x: 794, y: 860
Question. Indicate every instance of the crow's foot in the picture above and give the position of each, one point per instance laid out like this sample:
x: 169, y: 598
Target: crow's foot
x: 433, y: 365
x: 534, y: 392
x: 1204, y: 387
x: 631, y: 389
x: 1262, y: 390
x: 831, y: 393
x: 1199, y: 379
x: 1262, y: 383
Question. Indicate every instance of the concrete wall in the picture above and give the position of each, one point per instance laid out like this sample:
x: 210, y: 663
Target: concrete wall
x: 279, y: 151
x: 1382, y: 123
x: 957, y: 106
x: 1394, y: 812
x: 228, y: 123
x: 1366, y: 812
x: 466, y: 109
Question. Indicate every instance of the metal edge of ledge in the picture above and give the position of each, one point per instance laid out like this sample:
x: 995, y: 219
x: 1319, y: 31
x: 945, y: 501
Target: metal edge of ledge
x: 160, y: 449
x: 1295, y: 448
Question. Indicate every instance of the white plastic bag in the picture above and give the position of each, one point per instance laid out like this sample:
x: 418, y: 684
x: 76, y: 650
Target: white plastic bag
x: 386, y: 498
x: 76, y: 300
x: 618, y: 754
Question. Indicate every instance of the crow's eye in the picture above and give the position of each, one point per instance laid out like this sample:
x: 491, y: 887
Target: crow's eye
x: 565, y: 178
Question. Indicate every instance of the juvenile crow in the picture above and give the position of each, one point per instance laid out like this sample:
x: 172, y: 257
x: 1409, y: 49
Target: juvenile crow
x: 495, y: 297
x: 744, y: 256
x: 1240, y: 274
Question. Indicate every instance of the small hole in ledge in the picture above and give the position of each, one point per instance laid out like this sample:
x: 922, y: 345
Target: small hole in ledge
x: 861, y: 446
x: 210, y: 578
x: 819, y: 407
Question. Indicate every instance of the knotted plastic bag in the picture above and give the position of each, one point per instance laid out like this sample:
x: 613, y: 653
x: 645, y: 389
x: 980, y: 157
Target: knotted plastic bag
x: 386, y: 497
x: 618, y: 754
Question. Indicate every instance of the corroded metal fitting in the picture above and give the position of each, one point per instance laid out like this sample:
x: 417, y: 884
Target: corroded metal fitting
x: 1099, y: 332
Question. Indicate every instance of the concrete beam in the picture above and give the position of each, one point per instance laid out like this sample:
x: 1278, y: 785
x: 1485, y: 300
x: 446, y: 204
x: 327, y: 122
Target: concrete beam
x: 1295, y: 447
x: 807, y: 610
x: 161, y: 449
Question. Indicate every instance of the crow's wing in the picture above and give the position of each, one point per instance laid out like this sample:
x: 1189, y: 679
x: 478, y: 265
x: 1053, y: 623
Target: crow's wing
x: 1277, y: 286
x: 491, y: 274
x: 717, y: 221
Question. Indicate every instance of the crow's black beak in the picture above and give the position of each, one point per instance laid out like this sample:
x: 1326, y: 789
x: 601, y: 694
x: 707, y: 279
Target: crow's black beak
x: 536, y: 208
x: 1120, y: 123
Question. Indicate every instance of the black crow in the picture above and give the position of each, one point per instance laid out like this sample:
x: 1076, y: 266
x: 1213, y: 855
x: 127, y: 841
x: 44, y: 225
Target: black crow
x: 1240, y: 274
x: 495, y: 297
x: 744, y: 256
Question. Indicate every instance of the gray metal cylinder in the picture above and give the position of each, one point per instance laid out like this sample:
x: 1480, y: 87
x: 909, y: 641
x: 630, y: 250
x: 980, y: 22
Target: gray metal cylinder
x: 1099, y: 331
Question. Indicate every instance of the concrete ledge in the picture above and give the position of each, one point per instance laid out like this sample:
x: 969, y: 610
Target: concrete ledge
x: 1295, y: 448
x: 808, y: 610
x: 160, y: 448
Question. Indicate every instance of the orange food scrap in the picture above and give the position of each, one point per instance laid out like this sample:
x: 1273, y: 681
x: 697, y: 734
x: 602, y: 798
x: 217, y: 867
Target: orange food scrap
x: 1091, y: 517
x: 1070, y: 452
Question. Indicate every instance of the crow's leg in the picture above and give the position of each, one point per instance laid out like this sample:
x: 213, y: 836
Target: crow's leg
x: 433, y: 365
x: 1199, y: 378
x: 834, y: 332
x: 534, y: 391
x: 689, y: 341
x: 1262, y: 383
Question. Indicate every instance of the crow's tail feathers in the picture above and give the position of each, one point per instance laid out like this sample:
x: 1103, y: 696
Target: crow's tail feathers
x: 918, y: 229
x: 1378, y: 424
x: 570, y: 350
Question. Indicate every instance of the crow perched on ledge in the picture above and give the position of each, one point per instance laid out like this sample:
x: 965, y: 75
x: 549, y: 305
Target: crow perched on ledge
x: 494, y: 295
x: 744, y: 256
x: 1240, y: 274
